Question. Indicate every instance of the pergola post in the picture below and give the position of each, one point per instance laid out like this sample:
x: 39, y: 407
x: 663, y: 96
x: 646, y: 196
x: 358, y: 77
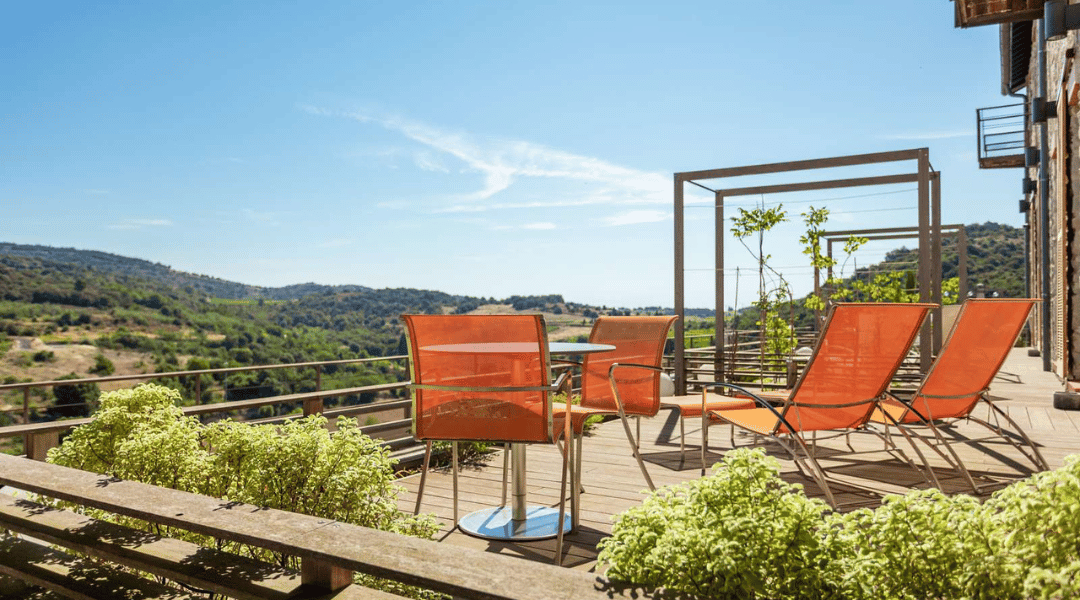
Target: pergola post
x: 925, y: 341
x: 718, y: 355
x: 680, y: 297
x: 962, y: 270
x: 935, y: 260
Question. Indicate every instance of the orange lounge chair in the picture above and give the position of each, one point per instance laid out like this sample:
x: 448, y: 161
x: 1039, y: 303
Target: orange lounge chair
x: 623, y: 382
x: 857, y: 354
x: 485, y: 378
x: 958, y: 381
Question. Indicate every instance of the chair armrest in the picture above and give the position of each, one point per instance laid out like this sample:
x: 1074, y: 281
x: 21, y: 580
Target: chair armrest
x: 757, y: 399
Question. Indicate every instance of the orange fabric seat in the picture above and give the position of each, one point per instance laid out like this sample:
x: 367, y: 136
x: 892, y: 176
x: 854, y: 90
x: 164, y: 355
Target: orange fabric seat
x: 691, y: 406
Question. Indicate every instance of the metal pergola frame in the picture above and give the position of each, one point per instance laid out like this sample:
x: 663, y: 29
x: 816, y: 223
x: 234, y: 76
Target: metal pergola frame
x: 929, y: 230
x: 902, y: 233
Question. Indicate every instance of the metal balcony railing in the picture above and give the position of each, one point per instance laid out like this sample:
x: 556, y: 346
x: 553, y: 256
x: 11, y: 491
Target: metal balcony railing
x: 1001, y: 136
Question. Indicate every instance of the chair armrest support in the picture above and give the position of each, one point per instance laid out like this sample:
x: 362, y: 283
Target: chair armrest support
x: 615, y: 388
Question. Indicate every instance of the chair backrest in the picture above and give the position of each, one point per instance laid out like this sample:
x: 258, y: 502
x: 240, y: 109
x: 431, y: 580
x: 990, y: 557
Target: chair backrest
x: 978, y: 344
x: 467, y: 352
x: 637, y: 340
x: 860, y: 348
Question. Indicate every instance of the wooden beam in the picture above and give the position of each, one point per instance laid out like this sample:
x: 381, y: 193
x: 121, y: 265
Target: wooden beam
x: 802, y: 165
x: 455, y: 571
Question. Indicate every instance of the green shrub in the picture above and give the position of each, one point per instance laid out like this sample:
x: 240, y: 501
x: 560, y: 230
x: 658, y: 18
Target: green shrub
x: 744, y: 533
x: 1031, y: 547
x: 911, y: 547
x: 141, y: 434
x: 740, y: 533
x: 102, y: 365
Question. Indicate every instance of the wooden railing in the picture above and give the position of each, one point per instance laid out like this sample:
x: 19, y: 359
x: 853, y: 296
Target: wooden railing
x: 329, y: 551
x: 39, y: 437
x: 196, y: 375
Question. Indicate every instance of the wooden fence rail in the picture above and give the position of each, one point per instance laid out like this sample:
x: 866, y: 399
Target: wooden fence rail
x: 196, y: 374
x: 329, y: 551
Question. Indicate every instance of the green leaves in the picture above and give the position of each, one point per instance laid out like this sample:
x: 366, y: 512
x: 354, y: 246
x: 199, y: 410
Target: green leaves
x: 743, y: 532
x: 757, y: 220
x: 299, y: 466
x: 740, y: 533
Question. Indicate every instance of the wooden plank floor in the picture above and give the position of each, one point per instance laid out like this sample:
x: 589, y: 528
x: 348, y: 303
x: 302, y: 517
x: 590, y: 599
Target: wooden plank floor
x: 613, y: 482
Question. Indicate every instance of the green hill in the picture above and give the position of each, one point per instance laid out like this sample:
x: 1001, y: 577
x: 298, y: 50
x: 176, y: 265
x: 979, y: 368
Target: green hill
x: 995, y: 259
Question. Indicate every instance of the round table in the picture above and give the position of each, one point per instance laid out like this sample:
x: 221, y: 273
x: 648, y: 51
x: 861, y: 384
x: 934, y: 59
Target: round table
x: 520, y: 521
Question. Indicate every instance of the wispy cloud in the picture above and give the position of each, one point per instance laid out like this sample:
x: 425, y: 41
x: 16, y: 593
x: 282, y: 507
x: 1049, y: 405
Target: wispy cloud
x: 540, y: 226
x: 636, y: 217
x: 430, y: 162
x: 502, y: 162
x: 267, y: 218
x: 140, y: 223
x: 928, y: 135
x: 336, y: 243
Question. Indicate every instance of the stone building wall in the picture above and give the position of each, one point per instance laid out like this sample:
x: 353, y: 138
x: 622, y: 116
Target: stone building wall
x: 1063, y: 83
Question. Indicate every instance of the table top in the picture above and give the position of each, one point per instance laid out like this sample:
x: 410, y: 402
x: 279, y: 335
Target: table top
x: 556, y: 348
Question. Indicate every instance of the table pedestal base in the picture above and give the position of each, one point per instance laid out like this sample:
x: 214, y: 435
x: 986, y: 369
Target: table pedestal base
x: 541, y: 523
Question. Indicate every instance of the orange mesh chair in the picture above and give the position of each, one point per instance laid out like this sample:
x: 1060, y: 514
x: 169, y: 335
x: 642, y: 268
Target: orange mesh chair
x: 857, y: 354
x: 484, y: 378
x: 958, y: 381
x: 623, y: 382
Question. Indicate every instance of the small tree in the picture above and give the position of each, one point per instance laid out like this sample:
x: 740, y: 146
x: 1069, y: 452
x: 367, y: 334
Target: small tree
x: 777, y: 336
x: 74, y: 399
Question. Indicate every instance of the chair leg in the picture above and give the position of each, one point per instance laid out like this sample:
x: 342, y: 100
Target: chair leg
x: 704, y: 439
x: 954, y: 461
x: 682, y: 440
x: 637, y: 454
x: 926, y: 464
x: 506, y: 463
x: 1035, y: 457
x: 454, y: 462
x: 815, y: 470
x: 577, y: 467
x: 423, y: 476
x: 567, y: 470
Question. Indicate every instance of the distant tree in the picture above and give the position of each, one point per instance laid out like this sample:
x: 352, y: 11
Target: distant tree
x: 74, y: 399
x: 102, y: 366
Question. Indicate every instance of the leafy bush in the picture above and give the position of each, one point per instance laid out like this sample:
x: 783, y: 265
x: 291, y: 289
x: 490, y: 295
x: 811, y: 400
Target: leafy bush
x: 913, y: 546
x: 102, y: 365
x: 141, y: 434
x: 1032, y: 549
x: 744, y: 533
x: 740, y: 533
x: 74, y: 399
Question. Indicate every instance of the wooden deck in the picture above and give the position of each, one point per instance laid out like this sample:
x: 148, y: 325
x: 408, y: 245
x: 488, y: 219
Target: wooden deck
x: 613, y: 482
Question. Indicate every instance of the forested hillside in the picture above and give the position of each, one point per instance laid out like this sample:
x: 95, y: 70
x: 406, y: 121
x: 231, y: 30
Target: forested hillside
x: 995, y: 259
x: 103, y: 313
x: 66, y: 312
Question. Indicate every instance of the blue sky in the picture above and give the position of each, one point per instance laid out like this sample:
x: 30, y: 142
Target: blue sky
x: 479, y: 148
